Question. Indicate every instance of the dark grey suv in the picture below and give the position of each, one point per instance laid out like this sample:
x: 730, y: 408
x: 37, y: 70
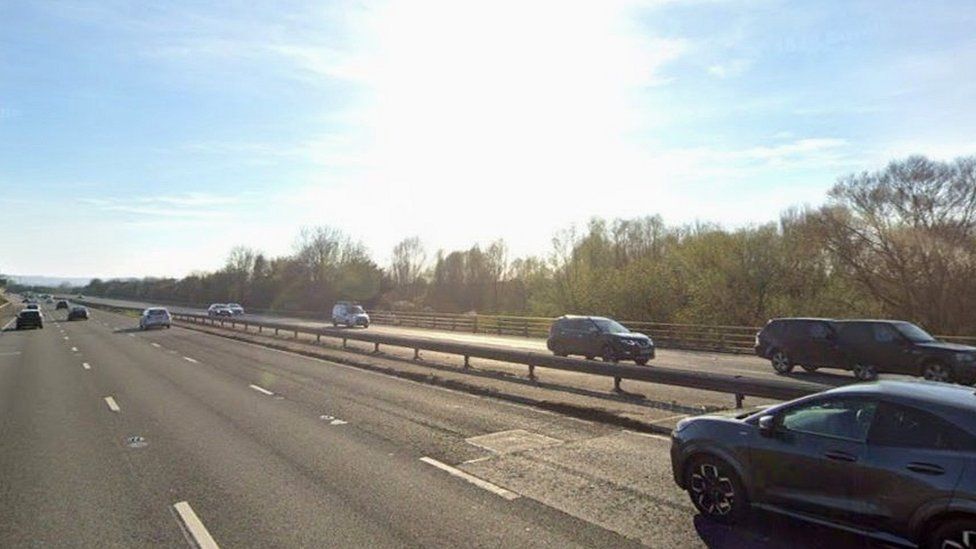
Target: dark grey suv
x: 593, y: 336
x: 892, y: 460
x: 866, y: 347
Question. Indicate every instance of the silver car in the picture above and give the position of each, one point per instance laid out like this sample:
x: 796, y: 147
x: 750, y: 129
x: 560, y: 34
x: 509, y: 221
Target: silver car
x: 155, y: 317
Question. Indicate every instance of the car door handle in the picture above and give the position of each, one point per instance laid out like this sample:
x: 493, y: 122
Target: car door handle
x: 925, y: 468
x: 840, y: 456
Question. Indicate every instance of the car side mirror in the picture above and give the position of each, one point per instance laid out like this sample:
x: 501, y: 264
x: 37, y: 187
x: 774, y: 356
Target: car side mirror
x: 767, y: 426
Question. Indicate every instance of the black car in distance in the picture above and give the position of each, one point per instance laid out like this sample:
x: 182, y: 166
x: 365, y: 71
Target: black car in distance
x: 62, y: 304
x: 30, y: 318
x: 592, y: 336
x: 891, y: 460
x: 78, y: 313
x: 866, y: 347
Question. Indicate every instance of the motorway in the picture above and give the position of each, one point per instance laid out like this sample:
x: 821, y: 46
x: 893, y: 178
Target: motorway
x: 112, y: 437
x: 735, y: 364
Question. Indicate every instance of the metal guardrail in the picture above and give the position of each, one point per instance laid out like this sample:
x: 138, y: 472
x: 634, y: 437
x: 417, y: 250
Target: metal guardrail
x: 735, y: 385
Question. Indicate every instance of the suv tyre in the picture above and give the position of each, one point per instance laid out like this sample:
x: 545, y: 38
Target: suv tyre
x: 937, y: 371
x: 865, y: 372
x: 954, y: 533
x: 781, y: 362
x: 715, y: 489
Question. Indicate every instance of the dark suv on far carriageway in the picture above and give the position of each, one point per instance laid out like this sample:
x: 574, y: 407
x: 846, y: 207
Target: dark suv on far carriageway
x: 593, y: 336
x: 866, y: 347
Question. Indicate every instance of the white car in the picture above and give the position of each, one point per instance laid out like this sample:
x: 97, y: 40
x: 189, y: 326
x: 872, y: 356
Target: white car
x: 219, y: 309
x: 235, y: 308
x: 155, y: 317
x: 349, y: 314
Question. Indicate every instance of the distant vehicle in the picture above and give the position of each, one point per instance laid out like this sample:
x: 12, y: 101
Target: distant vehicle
x: 81, y: 296
x: 78, y: 313
x: 219, y: 309
x: 32, y: 307
x: 61, y: 304
x: 25, y: 300
x: 866, y: 347
x: 30, y: 318
x: 154, y: 317
x: 235, y: 308
x: 49, y: 300
x: 593, y: 336
x: 892, y: 460
x: 349, y: 314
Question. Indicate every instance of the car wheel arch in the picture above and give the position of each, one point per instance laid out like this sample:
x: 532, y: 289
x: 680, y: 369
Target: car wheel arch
x: 935, y: 513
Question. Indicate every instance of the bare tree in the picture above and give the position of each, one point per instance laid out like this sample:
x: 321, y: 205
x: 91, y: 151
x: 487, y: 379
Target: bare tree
x: 409, y: 259
x: 907, y: 234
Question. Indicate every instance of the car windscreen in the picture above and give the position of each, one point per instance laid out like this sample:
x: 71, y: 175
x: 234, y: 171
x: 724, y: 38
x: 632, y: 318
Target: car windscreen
x: 30, y: 314
x: 913, y: 332
x: 157, y: 312
x: 610, y: 326
x: 356, y: 310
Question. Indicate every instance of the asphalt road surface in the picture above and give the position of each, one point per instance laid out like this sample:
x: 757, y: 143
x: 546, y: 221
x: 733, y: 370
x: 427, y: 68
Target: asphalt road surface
x: 733, y: 364
x: 112, y: 437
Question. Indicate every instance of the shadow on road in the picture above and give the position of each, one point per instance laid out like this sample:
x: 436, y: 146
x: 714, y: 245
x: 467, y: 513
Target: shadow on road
x: 132, y: 330
x: 768, y: 530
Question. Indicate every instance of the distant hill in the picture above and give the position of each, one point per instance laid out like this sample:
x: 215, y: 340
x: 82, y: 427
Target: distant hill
x: 51, y: 281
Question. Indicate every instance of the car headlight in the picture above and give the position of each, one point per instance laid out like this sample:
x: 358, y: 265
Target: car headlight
x: 966, y: 357
x: 628, y: 342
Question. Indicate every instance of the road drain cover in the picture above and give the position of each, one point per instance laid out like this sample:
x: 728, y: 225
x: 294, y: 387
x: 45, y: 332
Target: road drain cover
x: 136, y: 442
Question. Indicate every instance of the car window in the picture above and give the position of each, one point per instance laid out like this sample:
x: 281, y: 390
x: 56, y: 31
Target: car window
x: 907, y: 427
x: 842, y: 418
x: 884, y: 333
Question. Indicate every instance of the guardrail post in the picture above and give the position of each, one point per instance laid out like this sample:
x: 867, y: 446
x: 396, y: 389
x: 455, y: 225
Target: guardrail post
x: 343, y: 343
x: 318, y: 338
x: 525, y: 328
x: 416, y: 354
x: 532, y: 372
x: 467, y: 362
x: 616, y: 385
x: 260, y: 329
x: 296, y: 334
x: 376, y: 348
x: 474, y: 325
x: 738, y: 400
x: 276, y: 331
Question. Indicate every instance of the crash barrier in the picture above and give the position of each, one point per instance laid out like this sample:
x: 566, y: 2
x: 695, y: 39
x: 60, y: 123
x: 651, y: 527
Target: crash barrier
x: 739, y: 386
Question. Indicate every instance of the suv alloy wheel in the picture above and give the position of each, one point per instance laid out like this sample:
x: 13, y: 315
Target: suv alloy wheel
x: 954, y: 534
x: 715, y: 489
x: 936, y: 371
x: 865, y: 372
x: 781, y: 362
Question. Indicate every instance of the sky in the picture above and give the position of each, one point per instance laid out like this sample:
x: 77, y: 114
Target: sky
x: 147, y: 139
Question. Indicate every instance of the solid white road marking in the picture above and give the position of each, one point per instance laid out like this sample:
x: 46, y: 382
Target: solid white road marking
x: 11, y: 353
x: 188, y: 359
x: 261, y: 390
x: 195, y: 530
x: 7, y: 325
x: 483, y: 484
x: 86, y: 365
x: 112, y: 405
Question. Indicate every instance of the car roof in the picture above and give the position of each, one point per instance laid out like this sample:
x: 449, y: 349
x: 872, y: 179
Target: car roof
x: 789, y: 318
x: 917, y: 391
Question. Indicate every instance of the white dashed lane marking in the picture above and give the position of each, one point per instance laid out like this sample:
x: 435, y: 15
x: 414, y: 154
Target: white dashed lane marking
x: 112, y: 405
x: 483, y: 484
x: 86, y: 365
x: 193, y: 527
x: 261, y: 390
x: 193, y: 360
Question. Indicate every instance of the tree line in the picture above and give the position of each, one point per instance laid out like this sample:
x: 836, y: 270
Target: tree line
x: 899, y: 242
